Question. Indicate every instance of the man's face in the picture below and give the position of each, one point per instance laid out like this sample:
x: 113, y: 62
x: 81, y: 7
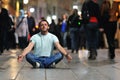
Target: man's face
x: 28, y: 13
x: 44, y: 26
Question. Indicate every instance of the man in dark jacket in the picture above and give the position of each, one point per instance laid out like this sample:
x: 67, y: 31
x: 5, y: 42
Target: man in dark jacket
x: 31, y: 23
x: 92, y: 27
x: 74, y: 30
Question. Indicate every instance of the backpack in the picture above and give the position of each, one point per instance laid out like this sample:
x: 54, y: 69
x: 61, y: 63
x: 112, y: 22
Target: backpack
x: 85, y: 14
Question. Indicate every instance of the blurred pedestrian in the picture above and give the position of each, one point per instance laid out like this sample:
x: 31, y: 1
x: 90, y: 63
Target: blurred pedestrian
x: 74, y: 30
x: 5, y: 26
x: 64, y: 29
x: 31, y: 23
x: 22, y: 30
x: 57, y: 30
x: 109, y: 24
x: 52, y: 27
x: 92, y: 26
x: 43, y: 44
x: 11, y: 33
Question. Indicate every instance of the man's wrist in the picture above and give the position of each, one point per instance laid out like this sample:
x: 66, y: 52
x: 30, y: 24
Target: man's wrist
x: 66, y: 54
x: 21, y: 55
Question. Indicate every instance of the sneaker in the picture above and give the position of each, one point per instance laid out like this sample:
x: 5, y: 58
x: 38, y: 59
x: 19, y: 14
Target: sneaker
x: 37, y: 65
x: 53, y: 65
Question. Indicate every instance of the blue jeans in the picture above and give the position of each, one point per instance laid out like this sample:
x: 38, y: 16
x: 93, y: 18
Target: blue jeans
x: 92, y: 35
x: 45, y: 62
x: 64, y: 36
x: 74, y: 35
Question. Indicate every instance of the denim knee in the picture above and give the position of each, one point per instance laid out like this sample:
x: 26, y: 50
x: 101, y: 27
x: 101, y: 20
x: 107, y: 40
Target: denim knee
x: 29, y: 56
x: 60, y: 55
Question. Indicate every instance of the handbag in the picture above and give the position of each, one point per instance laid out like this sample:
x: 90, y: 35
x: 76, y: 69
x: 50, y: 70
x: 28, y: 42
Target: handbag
x: 83, y: 54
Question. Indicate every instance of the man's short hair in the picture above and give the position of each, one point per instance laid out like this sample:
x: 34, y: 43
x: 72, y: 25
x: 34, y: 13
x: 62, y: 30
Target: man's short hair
x: 42, y: 21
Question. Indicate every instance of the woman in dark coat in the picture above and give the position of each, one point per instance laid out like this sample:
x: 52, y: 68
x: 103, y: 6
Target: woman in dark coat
x: 109, y: 24
x: 4, y: 28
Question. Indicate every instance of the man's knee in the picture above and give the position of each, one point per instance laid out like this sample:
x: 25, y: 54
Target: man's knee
x: 29, y: 56
x: 60, y: 55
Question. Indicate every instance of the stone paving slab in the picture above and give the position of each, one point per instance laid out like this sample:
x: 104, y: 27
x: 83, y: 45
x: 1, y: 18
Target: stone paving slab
x: 100, y: 69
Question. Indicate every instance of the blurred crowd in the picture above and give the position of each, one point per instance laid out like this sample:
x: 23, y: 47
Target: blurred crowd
x: 72, y: 30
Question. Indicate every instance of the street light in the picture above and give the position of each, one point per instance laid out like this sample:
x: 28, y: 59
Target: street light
x: 32, y: 10
x: 54, y: 17
x: 75, y: 6
x: 25, y: 1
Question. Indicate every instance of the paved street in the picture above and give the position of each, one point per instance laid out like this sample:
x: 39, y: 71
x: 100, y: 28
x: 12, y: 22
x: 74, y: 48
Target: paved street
x: 79, y: 69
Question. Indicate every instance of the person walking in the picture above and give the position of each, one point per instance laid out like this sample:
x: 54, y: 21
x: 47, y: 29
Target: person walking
x: 31, y: 23
x: 11, y: 33
x: 52, y: 27
x: 43, y: 43
x: 64, y: 29
x: 109, y: 25
x: 74, y: 30
x: 5, y: 26
x: 22, y: 30
x: 92, y: 26
x: 58, y: 30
